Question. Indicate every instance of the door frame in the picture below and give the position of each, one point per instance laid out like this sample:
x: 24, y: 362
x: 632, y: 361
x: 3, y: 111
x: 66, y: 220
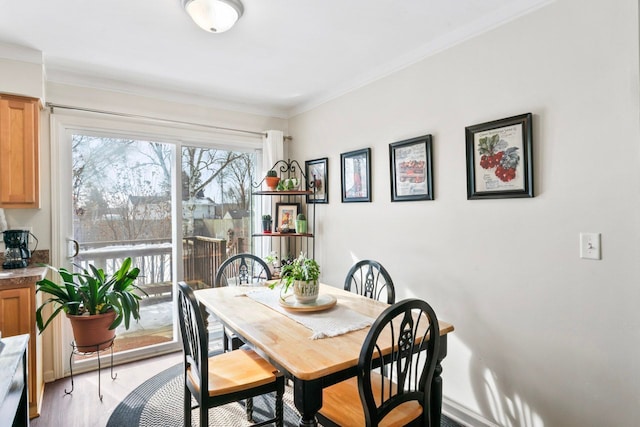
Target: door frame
x: 62, y: 125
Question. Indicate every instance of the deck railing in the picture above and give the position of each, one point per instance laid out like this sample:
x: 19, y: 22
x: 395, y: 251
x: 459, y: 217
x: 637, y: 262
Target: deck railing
x: 201, y: 258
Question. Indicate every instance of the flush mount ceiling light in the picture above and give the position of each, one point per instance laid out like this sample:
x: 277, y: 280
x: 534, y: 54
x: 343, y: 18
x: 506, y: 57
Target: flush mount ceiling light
x: 215, y: 16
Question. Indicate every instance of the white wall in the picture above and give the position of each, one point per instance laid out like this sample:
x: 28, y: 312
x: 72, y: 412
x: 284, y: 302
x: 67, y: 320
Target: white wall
x: 543, y: 338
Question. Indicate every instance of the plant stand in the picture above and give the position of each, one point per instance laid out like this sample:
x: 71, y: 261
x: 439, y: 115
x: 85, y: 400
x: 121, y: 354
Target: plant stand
x: 84, y: 353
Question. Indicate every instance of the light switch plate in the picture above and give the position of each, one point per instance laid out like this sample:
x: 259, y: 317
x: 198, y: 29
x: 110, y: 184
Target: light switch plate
x: 590, y: 246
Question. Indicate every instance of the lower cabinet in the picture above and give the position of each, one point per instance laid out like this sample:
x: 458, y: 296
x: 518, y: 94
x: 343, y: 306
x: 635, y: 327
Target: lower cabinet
x: 18, y: 316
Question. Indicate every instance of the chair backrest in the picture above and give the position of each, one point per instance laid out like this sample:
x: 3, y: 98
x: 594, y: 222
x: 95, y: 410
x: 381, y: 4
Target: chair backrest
x: 194, y: 339
x: 407, y: 337
x: 370, y: 279
x: 242, y: 269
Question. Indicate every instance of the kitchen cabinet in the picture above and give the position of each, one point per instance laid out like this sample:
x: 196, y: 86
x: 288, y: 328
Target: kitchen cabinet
x: 19, y: 158
x: 18, y: 316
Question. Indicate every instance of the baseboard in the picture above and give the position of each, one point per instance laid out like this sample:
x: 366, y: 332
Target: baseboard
x: 464, y: 415
x: 48, y: 376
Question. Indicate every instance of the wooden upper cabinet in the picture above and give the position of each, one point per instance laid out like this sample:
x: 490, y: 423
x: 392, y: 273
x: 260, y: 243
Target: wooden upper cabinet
x: 19, y: 159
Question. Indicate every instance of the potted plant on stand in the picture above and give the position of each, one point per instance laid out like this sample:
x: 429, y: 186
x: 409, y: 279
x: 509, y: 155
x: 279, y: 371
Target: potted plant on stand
x: 272, y: 179
x: 266, y: 223
x: 302, y: 273
x: 95, y: 303
x: 301, y: 224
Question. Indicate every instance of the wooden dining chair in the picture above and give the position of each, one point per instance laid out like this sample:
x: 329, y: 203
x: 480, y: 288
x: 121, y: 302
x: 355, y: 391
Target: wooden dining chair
x: 395, y: 371
x: 240, y: 269
x: 370, y: 279
x: 225, y: 377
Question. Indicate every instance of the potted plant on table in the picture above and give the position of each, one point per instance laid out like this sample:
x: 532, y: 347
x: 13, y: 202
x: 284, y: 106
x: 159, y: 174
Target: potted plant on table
x: 95, y: 303
x: 302, y: 273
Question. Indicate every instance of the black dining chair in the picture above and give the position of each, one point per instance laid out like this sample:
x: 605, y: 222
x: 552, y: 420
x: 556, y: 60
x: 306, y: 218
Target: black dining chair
x: 395, y: 371
x: 240, y: 269
x: 225, y: 377
x: 370, y: 279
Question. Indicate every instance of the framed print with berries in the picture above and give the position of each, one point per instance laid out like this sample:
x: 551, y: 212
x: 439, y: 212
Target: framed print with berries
x: 499, y: 159
x: 411, y: 169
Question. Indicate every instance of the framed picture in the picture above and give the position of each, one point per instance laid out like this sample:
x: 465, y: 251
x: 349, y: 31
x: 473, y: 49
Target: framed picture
x: 286, y: 214
x: 317, y: 172
x: 356, y: 176
x: 411, y: 177
x: 500, y: 159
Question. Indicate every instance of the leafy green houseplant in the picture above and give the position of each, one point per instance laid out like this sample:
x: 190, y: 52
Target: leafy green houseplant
x: 302, y: 273
x: 92, y: 294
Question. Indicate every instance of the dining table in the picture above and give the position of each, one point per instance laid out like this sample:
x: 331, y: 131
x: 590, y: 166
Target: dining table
x: 314, y: 359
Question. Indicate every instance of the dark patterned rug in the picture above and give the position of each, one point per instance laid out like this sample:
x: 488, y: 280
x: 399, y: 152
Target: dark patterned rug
x: 158, y: 402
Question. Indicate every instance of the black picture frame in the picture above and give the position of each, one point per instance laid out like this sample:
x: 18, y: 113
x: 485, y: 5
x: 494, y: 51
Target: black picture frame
x: 317, y: 173
x: 355, y: 167
x: 411, y: 169
x: 290, y: 211
x: 500, y: 158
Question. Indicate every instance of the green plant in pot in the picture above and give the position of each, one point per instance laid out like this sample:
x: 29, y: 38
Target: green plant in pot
x: 95, y: 303
x: 302, y: 273
x: 266, y: 223
x: 301, y: 224
x: 272, y: 179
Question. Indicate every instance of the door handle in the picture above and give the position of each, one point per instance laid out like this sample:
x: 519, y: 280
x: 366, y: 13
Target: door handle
x: 73, y: 248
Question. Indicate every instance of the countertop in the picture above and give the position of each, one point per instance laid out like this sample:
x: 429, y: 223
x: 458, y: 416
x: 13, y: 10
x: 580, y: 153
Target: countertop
x: 21, y: 277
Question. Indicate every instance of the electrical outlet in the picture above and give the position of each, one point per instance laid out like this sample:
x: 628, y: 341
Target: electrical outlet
x: 590, y: 246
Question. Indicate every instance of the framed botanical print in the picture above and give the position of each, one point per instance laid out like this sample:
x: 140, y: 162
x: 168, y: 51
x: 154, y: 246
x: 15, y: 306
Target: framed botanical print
x: 411, y: 177
x: 356, y: 175
x: 500, y: 158
x: 317, y: 173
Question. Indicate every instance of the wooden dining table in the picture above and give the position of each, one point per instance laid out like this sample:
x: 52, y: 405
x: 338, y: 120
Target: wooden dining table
x: 313, y: 364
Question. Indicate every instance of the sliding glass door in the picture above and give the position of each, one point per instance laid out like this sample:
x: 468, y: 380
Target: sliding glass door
x: 178, y: 202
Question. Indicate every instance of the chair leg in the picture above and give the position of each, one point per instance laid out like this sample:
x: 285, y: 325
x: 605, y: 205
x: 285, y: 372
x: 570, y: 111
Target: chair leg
x: 187, y: 407
x: 249, y: 409
x: 204, y: 416
x: 279, y: 394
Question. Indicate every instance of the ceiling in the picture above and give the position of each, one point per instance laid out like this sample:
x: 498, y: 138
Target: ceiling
x: 282, y: 57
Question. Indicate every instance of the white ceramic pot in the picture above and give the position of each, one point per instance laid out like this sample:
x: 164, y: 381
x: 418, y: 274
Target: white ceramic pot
x: 306, y: 292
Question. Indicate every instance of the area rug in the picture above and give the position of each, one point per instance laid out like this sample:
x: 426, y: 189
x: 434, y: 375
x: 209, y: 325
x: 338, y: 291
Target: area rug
x: 158, y: 403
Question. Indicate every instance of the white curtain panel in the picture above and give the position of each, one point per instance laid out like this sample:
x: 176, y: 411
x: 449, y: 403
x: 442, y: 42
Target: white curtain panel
x: 273, y: 151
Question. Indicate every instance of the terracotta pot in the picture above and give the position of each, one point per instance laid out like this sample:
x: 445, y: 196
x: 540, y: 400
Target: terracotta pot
x: 306, y: 292
x: 92, y: 333
x: 272, y: 182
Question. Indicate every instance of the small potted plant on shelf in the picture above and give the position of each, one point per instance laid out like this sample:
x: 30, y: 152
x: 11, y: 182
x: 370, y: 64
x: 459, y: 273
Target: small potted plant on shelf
x: 272, y: 179
x: 302, y: 273
x: 95, y: 303
x: 301, y: 224
x: 266, y: 223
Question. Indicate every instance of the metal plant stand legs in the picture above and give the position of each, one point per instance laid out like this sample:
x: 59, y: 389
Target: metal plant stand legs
x: 84, y: 353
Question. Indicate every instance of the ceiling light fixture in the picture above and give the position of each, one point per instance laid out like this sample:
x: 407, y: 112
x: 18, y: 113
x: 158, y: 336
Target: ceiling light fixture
x: 215, y: 16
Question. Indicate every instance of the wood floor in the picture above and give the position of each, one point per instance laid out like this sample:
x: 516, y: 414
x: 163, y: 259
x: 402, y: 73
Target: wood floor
x: 83, y: 407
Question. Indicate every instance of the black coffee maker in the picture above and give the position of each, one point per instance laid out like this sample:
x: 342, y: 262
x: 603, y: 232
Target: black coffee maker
x: 17, y: 252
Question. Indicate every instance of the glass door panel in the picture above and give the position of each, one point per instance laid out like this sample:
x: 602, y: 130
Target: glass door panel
x: 121, y: 207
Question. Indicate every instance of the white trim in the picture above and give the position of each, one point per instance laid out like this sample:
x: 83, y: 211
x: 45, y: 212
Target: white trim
x: 464, y: 415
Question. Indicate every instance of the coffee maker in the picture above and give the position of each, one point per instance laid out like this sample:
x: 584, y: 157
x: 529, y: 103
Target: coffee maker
x: 17, y: 252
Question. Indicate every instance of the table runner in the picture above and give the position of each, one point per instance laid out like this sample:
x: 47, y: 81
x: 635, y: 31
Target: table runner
x: 335, y: 321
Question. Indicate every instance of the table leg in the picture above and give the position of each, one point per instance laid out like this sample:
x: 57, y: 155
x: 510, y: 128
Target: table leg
x: 307, y: 396
x: 436, y: 385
